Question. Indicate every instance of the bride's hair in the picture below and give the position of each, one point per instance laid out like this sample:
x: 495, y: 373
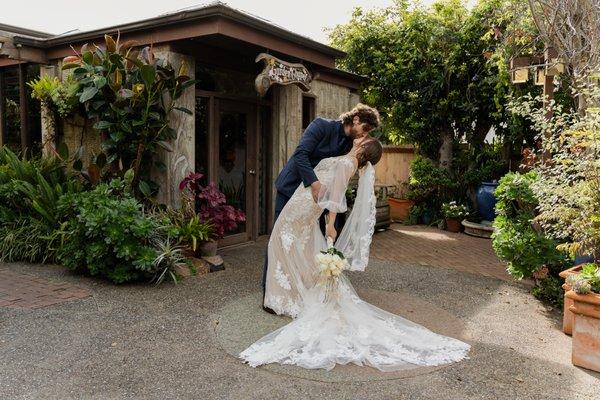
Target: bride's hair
x: 370, y: 150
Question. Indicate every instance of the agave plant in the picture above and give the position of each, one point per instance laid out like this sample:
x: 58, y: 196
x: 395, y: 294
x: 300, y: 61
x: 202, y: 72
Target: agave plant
x: 129, y: 93
x: 169, y: 257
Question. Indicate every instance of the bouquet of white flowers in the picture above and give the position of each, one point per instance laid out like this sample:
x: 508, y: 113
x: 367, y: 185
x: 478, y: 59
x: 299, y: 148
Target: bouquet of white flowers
x: 331, y: 262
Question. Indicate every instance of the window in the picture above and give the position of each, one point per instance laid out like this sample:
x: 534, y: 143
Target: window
x: 308, y: 111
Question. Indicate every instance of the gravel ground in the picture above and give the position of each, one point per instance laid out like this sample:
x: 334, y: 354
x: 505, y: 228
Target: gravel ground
x: 179, y: 341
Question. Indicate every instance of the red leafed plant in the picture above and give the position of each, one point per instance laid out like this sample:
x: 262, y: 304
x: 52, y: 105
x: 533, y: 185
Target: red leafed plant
x: 213, y: 205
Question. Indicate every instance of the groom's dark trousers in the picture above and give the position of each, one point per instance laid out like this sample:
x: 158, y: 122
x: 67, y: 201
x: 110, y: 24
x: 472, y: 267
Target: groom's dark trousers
x: 322, y: 138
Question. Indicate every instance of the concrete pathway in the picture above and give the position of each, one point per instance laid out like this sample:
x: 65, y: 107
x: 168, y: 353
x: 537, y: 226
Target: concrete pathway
x: 179, y: 341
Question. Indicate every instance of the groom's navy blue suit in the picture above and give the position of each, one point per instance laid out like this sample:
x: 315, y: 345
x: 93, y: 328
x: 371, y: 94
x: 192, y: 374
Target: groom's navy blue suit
x: 322, y: 138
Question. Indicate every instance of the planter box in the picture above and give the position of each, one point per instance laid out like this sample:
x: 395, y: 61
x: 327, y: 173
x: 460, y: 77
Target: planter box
x: 568, y: 302
x: 207, y: 248
x: 453, y: 225
x: 382, y: 214
x: 586, y: 330
x: 479, y: 230
x: 400, y: 209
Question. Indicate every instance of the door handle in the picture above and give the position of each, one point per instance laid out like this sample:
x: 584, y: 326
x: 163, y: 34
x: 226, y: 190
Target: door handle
x: 252, y: 172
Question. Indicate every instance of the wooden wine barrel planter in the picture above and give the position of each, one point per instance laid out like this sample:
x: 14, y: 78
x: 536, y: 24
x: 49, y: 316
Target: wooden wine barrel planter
x: 382, y: 214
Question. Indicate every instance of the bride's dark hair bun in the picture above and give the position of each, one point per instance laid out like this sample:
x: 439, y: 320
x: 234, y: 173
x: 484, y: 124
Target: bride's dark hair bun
x: 371, y: 150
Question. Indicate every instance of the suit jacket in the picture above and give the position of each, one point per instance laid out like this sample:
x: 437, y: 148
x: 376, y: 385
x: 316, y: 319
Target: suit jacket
x: 322, y: 138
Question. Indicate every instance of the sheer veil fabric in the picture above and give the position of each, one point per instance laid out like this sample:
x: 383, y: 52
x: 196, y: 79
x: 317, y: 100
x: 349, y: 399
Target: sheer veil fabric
x: 331, y: 324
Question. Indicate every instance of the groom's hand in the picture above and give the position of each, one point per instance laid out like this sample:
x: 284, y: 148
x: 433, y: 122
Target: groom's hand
x: 315, y: 187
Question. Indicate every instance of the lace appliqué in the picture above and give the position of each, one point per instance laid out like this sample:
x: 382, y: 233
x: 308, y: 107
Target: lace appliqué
x: 282, y: 278
x: 283, y: 306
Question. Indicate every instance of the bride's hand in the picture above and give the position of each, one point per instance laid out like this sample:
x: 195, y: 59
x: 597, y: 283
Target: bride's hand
x: 330, y: 231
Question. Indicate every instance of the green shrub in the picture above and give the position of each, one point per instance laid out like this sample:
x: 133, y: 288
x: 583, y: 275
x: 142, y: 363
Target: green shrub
x: 107, y: 234
x: 516, y: 240
x: 29, y: 193
x: 429, y: 185
x: 27, y: 239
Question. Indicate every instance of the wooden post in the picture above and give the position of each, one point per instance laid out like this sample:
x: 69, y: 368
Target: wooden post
x: 2, y: 110
x: 25, y: 140
x: 548, y: 97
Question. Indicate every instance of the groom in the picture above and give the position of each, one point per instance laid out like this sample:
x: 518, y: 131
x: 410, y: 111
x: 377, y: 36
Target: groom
x: 322, y: 138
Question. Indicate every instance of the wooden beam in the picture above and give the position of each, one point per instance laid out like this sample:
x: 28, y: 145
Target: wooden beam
x: 25, y: 142
x: 21, y: 53
x: 2, y: 110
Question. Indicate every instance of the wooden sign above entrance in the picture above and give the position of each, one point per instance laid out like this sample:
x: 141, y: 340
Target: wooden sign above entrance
x: 281, y: 72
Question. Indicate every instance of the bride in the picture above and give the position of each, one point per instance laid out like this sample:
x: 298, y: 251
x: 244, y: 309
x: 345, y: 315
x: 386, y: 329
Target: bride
x: 331, y: 324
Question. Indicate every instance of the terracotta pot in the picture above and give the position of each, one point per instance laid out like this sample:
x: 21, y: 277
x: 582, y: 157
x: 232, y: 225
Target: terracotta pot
x: 567, y: 314
x: 453, y: 225
x: 586, y: 330
x: 399, y: 209
x: 207, y: 248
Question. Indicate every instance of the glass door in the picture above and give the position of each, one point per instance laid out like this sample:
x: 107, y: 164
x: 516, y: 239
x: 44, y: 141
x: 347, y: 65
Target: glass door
x: 236, y: 163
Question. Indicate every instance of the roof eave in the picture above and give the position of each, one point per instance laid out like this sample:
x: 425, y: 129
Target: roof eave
x: 183, y: 16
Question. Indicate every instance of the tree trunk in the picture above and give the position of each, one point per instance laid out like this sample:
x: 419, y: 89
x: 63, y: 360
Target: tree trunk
x: 136, y: 167
x: 446, y: 151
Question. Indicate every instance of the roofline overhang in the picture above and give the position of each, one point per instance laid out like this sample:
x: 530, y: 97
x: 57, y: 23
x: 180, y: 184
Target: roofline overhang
x: 19, y: 31
x: 211, y: 11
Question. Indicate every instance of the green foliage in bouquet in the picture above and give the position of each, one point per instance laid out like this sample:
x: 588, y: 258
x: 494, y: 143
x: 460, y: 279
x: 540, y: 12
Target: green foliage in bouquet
x: 334, y: 252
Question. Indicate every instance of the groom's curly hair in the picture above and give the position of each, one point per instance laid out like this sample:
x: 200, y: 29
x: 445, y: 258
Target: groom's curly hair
x: 366, y: 114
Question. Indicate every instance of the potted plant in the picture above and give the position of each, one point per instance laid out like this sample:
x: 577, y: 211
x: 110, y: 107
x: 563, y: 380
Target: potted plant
x: 585, y: 294
x: 211, y: 205
x: 399, y: 204
x: 454, y: 213
x: 194, y: 232
x: 568, y: 302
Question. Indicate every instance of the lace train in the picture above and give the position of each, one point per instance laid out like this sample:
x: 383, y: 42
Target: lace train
x: 336, y: 327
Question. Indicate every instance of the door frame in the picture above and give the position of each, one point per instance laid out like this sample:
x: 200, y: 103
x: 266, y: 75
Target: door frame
x: 251, y: 172
x: 216, y: 105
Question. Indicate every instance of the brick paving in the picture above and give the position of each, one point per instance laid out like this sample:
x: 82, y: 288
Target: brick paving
x: 411, y: 245
x: 423, y: 245
x: 25, y: 291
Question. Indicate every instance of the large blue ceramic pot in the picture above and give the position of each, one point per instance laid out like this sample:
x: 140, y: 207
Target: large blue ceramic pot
x: 486, y: 201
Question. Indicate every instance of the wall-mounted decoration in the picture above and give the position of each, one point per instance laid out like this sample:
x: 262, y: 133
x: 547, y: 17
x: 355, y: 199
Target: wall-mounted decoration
x: 280, y: 72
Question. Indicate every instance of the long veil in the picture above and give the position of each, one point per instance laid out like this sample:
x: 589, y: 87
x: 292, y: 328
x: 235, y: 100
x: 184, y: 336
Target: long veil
x: 355, y: 238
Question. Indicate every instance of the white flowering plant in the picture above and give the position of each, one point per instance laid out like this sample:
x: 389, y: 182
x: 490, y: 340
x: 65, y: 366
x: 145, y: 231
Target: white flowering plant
x: 455, y: 210
x: 331, y: 262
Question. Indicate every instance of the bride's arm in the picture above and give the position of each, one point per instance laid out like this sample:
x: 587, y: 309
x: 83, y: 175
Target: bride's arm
x: 330, y: 226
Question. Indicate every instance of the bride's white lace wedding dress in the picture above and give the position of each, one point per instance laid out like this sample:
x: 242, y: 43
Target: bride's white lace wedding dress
x: 331, y: 324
